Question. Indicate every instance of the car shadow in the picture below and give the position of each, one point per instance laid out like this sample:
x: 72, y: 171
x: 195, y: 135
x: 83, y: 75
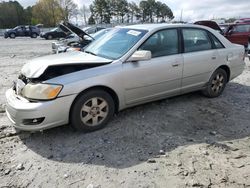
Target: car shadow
x: 137, y: 134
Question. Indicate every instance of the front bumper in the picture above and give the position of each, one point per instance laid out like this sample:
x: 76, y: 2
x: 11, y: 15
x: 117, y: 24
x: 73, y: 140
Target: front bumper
x: 5, y: 35
x: 21, y: 111
x: 42, y: 35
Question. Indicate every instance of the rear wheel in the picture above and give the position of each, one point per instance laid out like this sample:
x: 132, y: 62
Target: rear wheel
x: 216, y: 84
x: 49, y: 37
x: 92, y: 110
x: 12, y: 35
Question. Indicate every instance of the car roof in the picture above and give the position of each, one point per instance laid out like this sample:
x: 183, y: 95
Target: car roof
x: 153, y: 27
x: 240, y: 23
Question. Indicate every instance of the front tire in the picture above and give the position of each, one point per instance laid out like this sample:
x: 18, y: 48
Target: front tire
x: 216, y: 84
x: 92, y: 110
x: 49, y: 37
x: 12, y: 35
x: 34, y: 35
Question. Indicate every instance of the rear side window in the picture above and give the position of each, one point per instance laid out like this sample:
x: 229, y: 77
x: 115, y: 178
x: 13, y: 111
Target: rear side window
x: 162, y: 43
x: 196, y: 40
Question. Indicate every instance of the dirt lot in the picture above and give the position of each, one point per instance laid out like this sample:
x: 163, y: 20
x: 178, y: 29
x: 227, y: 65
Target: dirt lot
x: 185, y: 141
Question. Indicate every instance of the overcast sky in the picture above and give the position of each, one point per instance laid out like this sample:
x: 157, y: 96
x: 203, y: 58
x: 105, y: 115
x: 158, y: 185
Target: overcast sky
x: 192, y: 9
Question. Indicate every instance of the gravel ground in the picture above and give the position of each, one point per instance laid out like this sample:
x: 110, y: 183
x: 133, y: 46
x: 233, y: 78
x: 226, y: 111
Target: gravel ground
x: 184, y: 141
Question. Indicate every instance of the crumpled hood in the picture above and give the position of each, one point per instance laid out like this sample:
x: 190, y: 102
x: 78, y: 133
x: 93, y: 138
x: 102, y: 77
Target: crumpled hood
x: 208, y: 23
x: 68, y: 27
x: 36, y: 67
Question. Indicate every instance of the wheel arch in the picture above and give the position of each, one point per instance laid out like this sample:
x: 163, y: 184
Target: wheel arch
x: 227, y: 69
x: 12, y: 33
x: 110, y: 91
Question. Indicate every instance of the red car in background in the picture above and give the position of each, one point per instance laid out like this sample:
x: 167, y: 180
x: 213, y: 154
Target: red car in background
x: 238, y: 33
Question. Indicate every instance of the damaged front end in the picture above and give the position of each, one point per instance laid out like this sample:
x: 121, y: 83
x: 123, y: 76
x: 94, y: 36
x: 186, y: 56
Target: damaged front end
x: 36, y: 101
x: 35, y: 88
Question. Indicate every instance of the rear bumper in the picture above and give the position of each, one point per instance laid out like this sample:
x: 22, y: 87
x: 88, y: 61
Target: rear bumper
x: 21, y: 112
x: 236, y: 71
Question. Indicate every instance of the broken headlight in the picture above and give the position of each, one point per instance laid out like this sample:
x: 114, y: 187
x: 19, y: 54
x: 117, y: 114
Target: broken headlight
x: 41, y: 91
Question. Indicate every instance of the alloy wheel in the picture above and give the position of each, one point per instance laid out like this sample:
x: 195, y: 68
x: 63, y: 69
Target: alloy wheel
x: 217, y: 83
x: 94, y: 111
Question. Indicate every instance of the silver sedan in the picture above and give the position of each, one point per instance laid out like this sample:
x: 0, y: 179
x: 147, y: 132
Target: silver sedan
x: 129, y: 66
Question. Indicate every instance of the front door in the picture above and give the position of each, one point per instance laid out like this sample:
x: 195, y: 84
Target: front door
x: 159, y: 76
x: 20, y: 31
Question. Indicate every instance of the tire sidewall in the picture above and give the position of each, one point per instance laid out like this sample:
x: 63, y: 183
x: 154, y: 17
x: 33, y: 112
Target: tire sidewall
x: 12, y: 35
x: 75, y: 120
x: 33, y: 35
x: 50, y: 37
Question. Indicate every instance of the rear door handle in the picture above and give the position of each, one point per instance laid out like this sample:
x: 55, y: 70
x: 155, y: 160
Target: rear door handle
x: 175, y: 64
x: 214, y: 57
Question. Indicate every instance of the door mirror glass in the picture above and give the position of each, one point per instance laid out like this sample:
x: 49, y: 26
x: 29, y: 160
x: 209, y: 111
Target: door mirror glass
x: 141, y: 55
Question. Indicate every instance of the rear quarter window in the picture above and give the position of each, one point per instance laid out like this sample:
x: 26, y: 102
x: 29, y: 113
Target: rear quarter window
x: 216, y: 41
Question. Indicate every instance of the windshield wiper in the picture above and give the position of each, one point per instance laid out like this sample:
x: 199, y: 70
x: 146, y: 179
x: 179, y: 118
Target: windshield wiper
x: 88, y: 52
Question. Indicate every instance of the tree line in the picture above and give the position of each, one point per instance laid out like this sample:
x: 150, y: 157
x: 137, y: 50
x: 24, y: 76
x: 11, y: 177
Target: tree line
x: 46, y: 12
x: 122, y: 11
x: 51, y: 12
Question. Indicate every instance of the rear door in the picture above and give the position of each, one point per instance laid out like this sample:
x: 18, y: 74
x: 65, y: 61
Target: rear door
x: 159, y: 76
x: 200, y: 58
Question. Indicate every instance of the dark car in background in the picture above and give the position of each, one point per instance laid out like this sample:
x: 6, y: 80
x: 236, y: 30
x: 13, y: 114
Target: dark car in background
x: 22, y: 31
x: 54, y: 34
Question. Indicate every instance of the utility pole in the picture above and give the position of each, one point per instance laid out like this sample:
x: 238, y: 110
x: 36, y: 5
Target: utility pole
x: 181, y: 15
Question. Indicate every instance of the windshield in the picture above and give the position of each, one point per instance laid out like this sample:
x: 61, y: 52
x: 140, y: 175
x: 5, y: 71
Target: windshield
x: 99, y: 34
x: 55, y: 29
x: 115, y: 43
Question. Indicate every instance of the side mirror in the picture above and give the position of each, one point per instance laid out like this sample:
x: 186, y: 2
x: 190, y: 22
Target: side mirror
x: 140, y: 55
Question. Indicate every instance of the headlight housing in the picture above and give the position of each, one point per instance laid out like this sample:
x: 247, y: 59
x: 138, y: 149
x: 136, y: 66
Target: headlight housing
x: 41, y: 91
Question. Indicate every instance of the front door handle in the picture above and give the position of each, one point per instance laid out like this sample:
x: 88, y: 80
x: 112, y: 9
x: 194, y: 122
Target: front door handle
x: 175, y: 64
x: 214, y: 57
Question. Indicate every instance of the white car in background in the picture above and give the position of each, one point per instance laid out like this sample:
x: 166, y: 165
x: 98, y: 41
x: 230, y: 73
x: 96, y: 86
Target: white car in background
x: 78, y: 39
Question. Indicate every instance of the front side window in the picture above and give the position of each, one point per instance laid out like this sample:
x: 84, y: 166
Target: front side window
x: 116, y: 43
x: 162, y: 43
x: 196, y: 40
